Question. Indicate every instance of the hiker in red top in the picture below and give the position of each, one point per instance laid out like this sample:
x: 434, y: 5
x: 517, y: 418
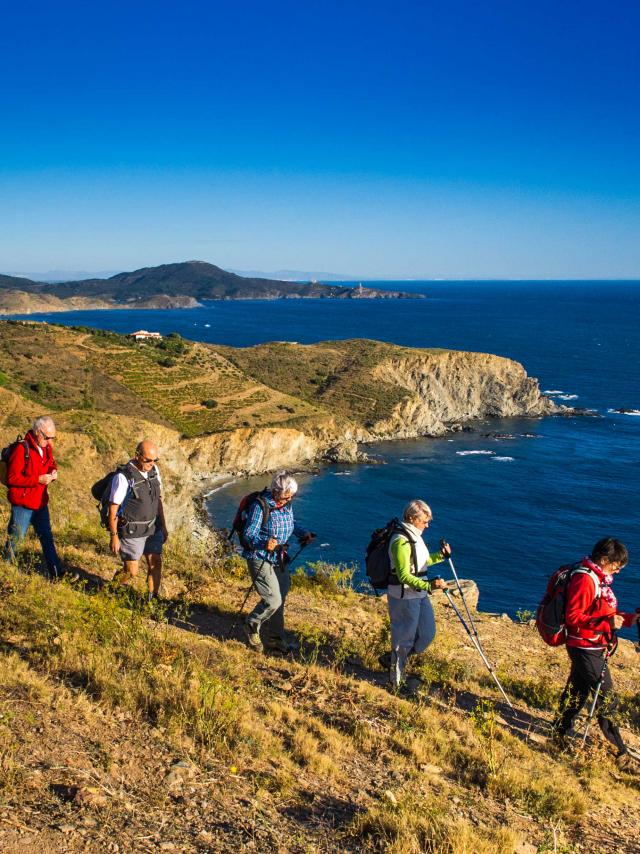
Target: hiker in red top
x: 592, y: 618
x: 30, y: 470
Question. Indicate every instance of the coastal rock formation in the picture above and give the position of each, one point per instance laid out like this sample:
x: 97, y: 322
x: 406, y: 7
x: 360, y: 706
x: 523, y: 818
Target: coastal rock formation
x: 449, y: 386
x: 218, y: 412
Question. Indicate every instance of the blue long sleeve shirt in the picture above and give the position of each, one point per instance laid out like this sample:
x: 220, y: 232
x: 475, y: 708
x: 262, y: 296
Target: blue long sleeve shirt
x: 280, y: 526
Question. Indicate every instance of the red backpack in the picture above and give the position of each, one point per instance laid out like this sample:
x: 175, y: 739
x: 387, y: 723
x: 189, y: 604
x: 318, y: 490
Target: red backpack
x: 240, y: 519
x: 550, y: 616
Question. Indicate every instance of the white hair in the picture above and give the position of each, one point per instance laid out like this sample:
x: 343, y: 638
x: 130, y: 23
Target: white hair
x: 42, y: 422
x: 284, y: 482
x: 415, y: 509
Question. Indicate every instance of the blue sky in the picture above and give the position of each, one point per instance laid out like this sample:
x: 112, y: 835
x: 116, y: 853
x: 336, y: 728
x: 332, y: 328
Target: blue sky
x: 412, y: 139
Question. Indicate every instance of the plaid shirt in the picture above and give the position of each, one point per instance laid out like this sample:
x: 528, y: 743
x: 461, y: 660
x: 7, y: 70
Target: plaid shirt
x: 281, y: 526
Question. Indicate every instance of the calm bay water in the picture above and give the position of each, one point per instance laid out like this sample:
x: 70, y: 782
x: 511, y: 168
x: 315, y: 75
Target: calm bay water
x: 522, y: 507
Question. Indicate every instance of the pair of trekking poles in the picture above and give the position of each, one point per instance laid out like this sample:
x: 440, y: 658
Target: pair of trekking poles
x: 470, y: 626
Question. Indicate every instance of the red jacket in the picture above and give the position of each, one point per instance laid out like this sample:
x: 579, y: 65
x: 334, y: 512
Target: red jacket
x: 24, y: 489
x: 587, y: 618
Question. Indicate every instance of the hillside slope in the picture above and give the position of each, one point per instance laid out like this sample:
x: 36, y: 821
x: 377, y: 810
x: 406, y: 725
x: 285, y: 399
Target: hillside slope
x: 220, y: 410
x: 125, y: 729
x: 155, y: 731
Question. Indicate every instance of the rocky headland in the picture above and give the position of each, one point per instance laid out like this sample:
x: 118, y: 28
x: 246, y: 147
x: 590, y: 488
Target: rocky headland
x: 181, y: 285
x: 219, y: 411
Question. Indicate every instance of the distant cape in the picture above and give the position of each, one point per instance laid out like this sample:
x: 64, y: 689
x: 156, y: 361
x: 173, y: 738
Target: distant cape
x: 187, y: 282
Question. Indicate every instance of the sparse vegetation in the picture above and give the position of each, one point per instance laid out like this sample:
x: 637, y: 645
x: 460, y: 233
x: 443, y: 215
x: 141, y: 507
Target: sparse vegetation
x: 101, y: 694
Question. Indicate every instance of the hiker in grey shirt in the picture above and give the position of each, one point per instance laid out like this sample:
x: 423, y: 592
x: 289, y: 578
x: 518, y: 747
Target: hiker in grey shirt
x: 136, y: 517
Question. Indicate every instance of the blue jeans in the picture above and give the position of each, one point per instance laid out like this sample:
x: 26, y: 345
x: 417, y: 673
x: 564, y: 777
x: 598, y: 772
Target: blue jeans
x: 21, y: 518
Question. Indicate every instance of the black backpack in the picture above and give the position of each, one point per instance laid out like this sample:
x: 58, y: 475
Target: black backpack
x: 240, y: 519
x: 101, y: 491
x: 378, y: 563
x: 5, y: 456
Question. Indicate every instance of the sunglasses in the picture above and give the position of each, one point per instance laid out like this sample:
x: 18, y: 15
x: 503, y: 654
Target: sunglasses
x: 48, y: 438
x: 147, y: 460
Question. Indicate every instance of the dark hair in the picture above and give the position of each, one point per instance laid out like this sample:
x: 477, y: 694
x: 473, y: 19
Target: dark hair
x: 613, y: 550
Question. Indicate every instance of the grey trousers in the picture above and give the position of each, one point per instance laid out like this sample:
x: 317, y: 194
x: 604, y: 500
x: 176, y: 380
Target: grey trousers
x: 413, y: 628
x: 272, y: 584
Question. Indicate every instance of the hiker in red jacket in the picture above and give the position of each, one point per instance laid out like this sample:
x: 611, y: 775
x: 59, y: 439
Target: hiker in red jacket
x: 592, y: 618
x: 30, y: 470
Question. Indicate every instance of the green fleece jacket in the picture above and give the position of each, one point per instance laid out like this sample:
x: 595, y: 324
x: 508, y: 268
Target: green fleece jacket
x: 403, y: 564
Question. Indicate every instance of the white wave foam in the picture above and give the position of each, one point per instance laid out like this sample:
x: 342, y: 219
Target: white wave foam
x: 567, y: 396
x: 553, y: 391
x: 475, y: 453
x: 502, y: 459
x: 218, y: 488
x: 324, y: 545
x: 635, y: 412
x: 343, y: 473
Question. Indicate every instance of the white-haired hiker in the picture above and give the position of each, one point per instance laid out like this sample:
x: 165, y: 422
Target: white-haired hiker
x: 413, y: 624
x: 30, y: 470
x: 266, y: 561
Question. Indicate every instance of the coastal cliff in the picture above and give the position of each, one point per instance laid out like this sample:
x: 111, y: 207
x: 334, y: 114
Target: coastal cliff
x: 218, y: 411
x: 451, y: 387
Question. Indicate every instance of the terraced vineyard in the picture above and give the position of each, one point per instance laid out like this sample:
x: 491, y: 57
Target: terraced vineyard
x: 202, y: 392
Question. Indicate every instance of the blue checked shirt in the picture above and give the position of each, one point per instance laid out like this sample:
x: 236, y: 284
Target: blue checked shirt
x: 281, y: 526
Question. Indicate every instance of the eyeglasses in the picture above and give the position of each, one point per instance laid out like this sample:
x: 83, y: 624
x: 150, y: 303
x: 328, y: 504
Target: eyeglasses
x: 48, y: 438
x: 147, y: 460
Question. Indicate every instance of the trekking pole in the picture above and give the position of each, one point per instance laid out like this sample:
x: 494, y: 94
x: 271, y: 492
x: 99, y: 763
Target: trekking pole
x: 291, y: 560
x: 638, y: 627
x: 462, y: 596
x: 608, y: 654
x: 477, y: 646
x: 239, y: 614
x: 246, y: 598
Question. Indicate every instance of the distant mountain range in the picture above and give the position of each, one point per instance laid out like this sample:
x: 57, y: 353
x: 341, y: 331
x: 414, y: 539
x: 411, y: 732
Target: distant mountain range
x: 175, y: 285
x: 64, y: 275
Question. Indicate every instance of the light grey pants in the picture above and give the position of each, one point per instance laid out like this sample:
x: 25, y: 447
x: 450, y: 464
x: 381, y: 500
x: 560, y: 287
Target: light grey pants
x: 272, y: 583
x: 413, y: 628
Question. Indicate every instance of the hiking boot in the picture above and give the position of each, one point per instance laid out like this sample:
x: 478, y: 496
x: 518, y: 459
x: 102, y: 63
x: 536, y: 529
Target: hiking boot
x: 282, y: 646
x: 252, y: 635
x: 384, y: 660
x: 629, y: 760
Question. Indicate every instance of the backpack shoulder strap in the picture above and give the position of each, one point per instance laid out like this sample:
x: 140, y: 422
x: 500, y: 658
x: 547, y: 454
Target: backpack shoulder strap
x: 261, y: 499
x: 400, y: 529
x: 583, y: 570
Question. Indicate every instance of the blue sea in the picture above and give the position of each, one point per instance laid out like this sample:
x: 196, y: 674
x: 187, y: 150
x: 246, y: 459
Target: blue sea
x: 513, y: 509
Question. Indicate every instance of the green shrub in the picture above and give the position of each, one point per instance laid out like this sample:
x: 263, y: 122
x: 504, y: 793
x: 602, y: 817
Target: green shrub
x: 322, y: 577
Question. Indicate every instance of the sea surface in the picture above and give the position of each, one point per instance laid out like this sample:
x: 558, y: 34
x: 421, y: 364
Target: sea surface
x: 514, y: 509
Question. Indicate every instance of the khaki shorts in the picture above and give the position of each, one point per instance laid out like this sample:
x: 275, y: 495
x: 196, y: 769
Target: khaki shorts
x: 132, y: 548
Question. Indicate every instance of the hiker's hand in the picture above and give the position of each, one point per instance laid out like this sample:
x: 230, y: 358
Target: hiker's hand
x: 271, y: 544
x: 445, y: 548
x: 309, y: 537
x: 45, y: 479
x: 439, y: 584
x: 54, y: 474
x: 114, y: 543
x: 617, y: 622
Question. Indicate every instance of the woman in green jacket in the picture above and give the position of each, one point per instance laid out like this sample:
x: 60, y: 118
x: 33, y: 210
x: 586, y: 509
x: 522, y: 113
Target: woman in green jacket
x: 413, y: 624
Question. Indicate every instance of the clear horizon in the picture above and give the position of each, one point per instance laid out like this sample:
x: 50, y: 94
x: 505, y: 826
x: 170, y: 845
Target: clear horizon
x: 472, y: 143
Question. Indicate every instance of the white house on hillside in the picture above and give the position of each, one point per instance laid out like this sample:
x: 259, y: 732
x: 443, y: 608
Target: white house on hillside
x: 143, y: 335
